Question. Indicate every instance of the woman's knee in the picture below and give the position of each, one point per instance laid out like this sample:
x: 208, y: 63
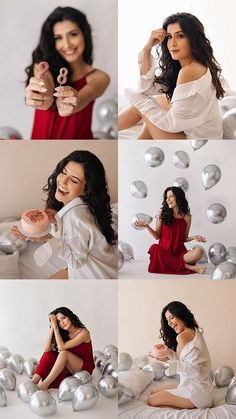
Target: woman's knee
x: 199, y: 252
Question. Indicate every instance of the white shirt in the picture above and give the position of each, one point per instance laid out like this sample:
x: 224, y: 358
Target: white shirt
x: 194, y: 106
x: 81, y: 244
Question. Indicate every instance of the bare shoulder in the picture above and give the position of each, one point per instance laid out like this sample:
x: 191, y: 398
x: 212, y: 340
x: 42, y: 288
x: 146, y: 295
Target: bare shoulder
x: 98, y: 76
x: 185, y: 337
x: 191, y: 72
x: 188, y: 218
x: 85, y: 333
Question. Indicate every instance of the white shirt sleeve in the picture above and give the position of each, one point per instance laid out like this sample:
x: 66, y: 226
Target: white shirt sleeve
x: 145, y: 83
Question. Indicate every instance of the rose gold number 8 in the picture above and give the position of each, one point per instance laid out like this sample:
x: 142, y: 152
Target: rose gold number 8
x: 44, y: 66
x: 62, y: 79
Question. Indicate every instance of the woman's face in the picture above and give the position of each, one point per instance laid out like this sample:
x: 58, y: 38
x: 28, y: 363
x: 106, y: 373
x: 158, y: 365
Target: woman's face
x: 63, y: 321
x: 178, y: 43
x: 69, y: 41
x: 175, y: 323
x: 171, y: 199
x: 70, y: 182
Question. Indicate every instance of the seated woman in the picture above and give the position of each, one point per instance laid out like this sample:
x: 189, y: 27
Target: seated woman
x: 182, y: 100
x: 185, y: 343
x: 68, y: 349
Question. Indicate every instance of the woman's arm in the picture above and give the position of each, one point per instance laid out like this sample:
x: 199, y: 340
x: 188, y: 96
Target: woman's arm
x: 157, y: 36
x: 188, y: 238
x: 154, y: 232
x: 39, y: 92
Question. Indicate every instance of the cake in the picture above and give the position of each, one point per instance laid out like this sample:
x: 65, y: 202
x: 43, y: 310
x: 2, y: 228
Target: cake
x: 34, y: 221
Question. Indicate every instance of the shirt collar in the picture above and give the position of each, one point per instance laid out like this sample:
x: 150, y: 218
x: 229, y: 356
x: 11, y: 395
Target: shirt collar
x: 71, y: 204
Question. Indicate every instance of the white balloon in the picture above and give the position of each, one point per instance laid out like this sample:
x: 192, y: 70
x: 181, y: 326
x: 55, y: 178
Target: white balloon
x: 127, y: 250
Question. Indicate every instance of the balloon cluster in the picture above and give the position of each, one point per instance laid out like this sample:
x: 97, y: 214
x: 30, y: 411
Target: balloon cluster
x: 107, y: 115
x: 225, y: 377
x: 224, y: 261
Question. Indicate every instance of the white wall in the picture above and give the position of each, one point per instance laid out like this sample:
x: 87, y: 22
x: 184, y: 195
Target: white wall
x: 136, y: 23
x: 133, y: 167
x: 25, y: 305
x: 21, y: 22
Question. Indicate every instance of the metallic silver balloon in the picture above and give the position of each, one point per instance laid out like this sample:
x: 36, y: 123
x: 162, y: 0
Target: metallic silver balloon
x: 145, y: 218
x: 83, y: 377
x: 141, y: 361
x: 114, y: 374
x: 100, y: 362
x: 231, y: 254
x: 15, y: 363
x: 110, y: 366
x: 109, y: 129
x: 107, y: 110
x: 182, y: 183
x: 229, y: 124
x: 108, y: 386
x: 154, y: 157
x: 127, y: 250
x: 216, y: 213
x: 223, y: 376
x: 7, y: 379
x: 226, y: 270
x: 138, y: 189
x: 196, y: 144
x: 125, y: 361
x: 25, y: 390
x: 3, y: 397
x: 110, y: 351
x: 230, y: 396
x: 181, y: 159
x: 217, y: 253
x: 211, y: 175
x: 85, y: 397
x: 30, y: 366
x: 97, y: 354
x: 42, y: 403
x: 125, y: 394
x: 9, y: 133
x: 3, y: 364
x: 227, y: 103
x: 121, y: 260
x: 204, y: 258
x: 4, y: 353
x: 157, y: 368
x: 10, y: 243
x: 67, y: 388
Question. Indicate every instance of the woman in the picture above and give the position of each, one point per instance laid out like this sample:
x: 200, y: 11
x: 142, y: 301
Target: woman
x: 64, y: 112
x: 185, y: 343
x: 78, y: 203
x: 68, y: 349
x: 170, y: 255
x: 182, y: 101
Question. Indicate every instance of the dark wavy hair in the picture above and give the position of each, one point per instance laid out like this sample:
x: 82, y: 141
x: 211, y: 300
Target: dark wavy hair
x: 167, y: 215
x: 46, y: 51
x: 201, y: 50
x: 64, y: 333
x: 96, y: 194
x: 180, y: 311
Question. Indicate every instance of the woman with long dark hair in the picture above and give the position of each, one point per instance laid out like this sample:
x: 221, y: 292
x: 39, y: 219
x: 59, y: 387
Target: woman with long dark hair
x: 68, y: 349
x: 184, y: 342
x: 173, y: 223
x: 78, y: 203
x: 64, y: 112
x: 182, y: 100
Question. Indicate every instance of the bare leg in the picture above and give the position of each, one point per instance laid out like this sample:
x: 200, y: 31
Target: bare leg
x: 159, y: 134
x: 128, y: 118
x: 144, y: 134
x: 164, y: 398
x: 193, y: 256
x: 166, y: 386
x: 63, y: 274
x: 65, y: 359
x: 36, y: 378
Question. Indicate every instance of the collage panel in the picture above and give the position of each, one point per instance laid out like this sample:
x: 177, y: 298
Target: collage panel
x: 52, y: 331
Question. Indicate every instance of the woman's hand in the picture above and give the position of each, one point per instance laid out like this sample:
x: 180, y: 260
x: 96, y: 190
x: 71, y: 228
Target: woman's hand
x: 140, y: 224
x: 53, y: 320
x: 39, y: 92
x: 51, y: 213
x: 156, y: 37
x: 67, y: 100
x: 15, y: 230
x: 199, y: 238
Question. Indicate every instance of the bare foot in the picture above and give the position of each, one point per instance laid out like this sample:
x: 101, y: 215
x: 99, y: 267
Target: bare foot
x: 200, y: 269
x: 43, y: 385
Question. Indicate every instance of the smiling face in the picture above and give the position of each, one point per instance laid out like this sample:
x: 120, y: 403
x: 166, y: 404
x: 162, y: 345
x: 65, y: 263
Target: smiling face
x: 69, y: 41
x: 70, y: 182
x: 175, y: 323
x: 171, y: 199
x: 63, y: 321
x: 178, y: 43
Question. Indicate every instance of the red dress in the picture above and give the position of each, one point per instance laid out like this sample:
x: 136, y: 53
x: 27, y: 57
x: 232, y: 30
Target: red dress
x: 167, y: 256
x: 49, y: 125
x: 48, y: 359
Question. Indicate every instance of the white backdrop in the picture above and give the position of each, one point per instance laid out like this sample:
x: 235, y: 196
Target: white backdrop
x: 21, y: 22
x: 132, y: 167
x: 136, y: 23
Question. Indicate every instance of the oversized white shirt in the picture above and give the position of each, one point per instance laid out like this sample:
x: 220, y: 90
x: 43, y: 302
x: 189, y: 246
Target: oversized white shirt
x: 194, y: 106
x: 79, y: 242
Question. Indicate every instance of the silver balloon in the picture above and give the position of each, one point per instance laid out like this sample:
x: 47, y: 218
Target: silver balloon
x: 10, y: 243
x: 125, y: 361
x: 157, y: 368
x: 3, y: 397
x: 154, y: 157
x: 121, y: 260
x: 15, y: 363
x: 25, y: 390
x: 67, y: 388
x: 138, y: 189
x: 211, y: 175
x: 216, y: 213
x: 100, y: 362
x: 217, y: 253
x: 227, y: 103
x: 230, y: 396
x: 145, y: 218
x: 109, y: 367
x: 229, y: 125
x: 109, y: 130
x: 141, y: 361
x: 196, y: 144
x: 83, y: 377
x: 226, y: 270
x: 3, y: 364
x: 29, y: 366
x: 108, y: 386
x: 110, y: 350
x: 85, y: 397
x: 107, y: 110
x: 127, y: 250
x: 204, y: 258
x: 4, y: 353
x: 223, y: 376
x: 231, y: 254
x: 7, y: 379
x: 42, y: 403
x: 97, y: 354
x: 114, y: 374
x: 182, y: 183
x: 9, y: 133
x: 125, y: 394
x: 181, y: 159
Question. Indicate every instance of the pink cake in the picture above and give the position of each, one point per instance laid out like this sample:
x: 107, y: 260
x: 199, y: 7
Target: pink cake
x: 160, y: 351
x: 34, y: 221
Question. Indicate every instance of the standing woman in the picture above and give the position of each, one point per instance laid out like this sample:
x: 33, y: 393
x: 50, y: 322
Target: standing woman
x: 68, y: 349
x: 170, y: 255
x: 64, y: 112
x: 184, y: 342
x: 182, y: 100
